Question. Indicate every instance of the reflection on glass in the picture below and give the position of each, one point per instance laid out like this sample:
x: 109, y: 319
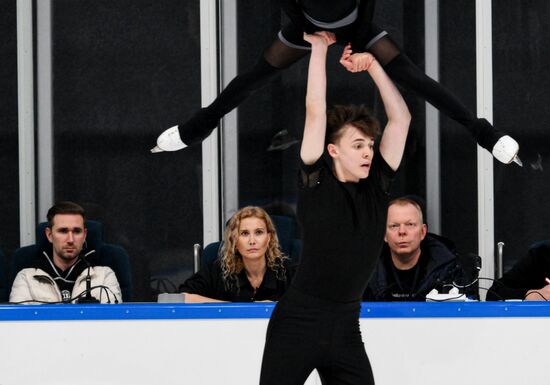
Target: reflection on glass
x: 458, y: 151
x: 123, y: 71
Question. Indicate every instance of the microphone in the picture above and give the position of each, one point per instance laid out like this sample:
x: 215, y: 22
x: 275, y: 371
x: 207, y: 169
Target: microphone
x: 88, y: 298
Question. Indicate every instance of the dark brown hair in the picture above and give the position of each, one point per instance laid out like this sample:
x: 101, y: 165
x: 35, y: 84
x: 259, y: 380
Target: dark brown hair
x: 358, y: 116
x: 65, y: 207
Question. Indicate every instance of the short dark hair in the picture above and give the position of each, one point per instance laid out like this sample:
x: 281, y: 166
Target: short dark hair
x: 358, y: 116
x: 64, y: 207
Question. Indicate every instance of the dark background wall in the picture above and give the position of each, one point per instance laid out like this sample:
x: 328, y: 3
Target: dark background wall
x: 9, y: 169
x: 458, y: 151
x: 124, y: 71
x: 521, y: 64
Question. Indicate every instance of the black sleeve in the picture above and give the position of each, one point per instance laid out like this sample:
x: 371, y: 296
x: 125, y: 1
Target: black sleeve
x: 382, y: 174
x: 296, y: 16
x: 525, y: 275
x: 206, y: 282
x: 312, y: 174
x: 362, y: 24
x: 290, y: 271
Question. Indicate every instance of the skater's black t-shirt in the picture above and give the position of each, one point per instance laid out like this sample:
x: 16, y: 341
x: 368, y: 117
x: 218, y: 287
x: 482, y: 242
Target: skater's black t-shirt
x: 343, y: 228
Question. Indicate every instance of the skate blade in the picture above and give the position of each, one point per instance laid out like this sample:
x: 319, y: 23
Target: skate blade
x: 518, y: 161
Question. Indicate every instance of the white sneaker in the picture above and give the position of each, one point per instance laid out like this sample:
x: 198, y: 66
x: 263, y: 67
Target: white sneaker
x: 506, y: 150
x: 169, y: 140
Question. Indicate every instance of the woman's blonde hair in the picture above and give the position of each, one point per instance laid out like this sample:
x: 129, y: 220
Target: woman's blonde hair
x: 232, y: 262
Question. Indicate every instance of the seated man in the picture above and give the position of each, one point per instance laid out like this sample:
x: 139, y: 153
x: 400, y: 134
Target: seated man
x: 59, y: 274
x: 528, y: 279
x: 412, y: 262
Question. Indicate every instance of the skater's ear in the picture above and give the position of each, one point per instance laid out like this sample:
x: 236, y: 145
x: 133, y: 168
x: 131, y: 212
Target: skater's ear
x: 332, y: 150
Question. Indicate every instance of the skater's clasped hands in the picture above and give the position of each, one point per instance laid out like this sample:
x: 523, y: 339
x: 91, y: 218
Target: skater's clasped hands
x: 356, y: 62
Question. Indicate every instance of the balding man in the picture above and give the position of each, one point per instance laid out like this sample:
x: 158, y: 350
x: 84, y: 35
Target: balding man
x: 413, y: 262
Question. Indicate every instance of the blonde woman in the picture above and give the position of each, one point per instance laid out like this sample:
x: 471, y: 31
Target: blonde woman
x: 251, y: 266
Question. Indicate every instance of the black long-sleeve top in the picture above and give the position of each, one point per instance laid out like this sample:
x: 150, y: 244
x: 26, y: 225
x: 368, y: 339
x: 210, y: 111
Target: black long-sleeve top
x: 528, y: 273
x: 343, y: 227
x: 209, y: 282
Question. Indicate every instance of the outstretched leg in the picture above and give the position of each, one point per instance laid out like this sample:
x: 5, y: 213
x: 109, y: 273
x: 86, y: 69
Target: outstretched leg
x: 400, y: 68
x: 203, y: 122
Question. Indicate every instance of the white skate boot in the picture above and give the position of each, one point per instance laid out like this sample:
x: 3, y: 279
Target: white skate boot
x: 170, y: 140
x: 506, y: 150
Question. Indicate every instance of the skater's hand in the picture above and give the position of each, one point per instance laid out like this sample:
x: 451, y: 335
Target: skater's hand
x: 346, y: 53
x: 356, y: 62
x: 538, y: 295
x: 322, y: 38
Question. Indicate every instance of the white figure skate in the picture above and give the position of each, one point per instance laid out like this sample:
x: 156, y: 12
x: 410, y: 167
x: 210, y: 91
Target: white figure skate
x: 506, y: 150
x: 169, y: 140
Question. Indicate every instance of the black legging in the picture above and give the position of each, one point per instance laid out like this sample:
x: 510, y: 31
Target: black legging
x: 200, y: 126
x: 398, y: 66
x: 307, y: 333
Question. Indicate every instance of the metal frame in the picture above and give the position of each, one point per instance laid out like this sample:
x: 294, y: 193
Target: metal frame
x: 25, y: 99
x: 433, y: 173
x: 484, y: 74
x: 45, y: 106
x: 229, y: 132
x: 209, y: 91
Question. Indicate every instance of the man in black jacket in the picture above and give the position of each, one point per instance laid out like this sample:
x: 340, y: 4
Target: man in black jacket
x: 528, y: 279
x: 413, y: 262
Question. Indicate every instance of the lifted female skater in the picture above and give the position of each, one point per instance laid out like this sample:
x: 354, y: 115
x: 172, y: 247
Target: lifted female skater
x: 351, y: 22
x: 342, y: 207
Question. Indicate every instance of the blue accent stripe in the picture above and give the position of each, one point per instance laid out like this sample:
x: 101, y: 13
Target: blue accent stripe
x: 153, y: 311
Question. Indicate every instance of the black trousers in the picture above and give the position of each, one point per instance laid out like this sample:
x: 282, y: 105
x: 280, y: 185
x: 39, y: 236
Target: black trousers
x: 306, y: 333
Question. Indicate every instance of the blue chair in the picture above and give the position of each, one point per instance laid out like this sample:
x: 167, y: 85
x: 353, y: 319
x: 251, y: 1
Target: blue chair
x: 106, y: 254
x: 543, y: 245
x: 210, y: 253
x: 287, y: 231
x: 286, y: 228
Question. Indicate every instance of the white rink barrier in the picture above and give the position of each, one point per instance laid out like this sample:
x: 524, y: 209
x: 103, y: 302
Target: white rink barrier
x: 503, y: 343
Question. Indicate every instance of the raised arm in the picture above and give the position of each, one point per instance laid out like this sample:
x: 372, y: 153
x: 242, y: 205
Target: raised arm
x: 395, y: 133
x: 316, y: 105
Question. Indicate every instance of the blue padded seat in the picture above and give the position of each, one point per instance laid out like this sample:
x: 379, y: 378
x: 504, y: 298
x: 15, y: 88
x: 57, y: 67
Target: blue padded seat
x: 106, y: 254
x: 544, y: 244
